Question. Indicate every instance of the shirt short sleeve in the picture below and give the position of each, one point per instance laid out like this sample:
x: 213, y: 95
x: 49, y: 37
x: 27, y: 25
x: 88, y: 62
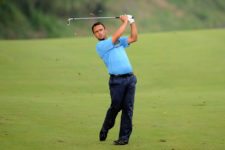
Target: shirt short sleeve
x: 124, y: 41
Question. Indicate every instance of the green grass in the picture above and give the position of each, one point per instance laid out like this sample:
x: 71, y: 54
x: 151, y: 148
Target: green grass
x: 54, y: 93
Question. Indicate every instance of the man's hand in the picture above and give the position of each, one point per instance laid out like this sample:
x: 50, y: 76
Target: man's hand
x: 124, y: 18
x: 130, y: 19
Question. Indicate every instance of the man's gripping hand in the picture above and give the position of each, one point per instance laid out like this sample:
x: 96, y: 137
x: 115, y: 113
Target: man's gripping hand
x: 130, y: 19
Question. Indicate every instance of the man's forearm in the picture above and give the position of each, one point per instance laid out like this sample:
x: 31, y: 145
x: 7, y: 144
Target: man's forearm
x: 119, y: 32
x: 134, y: 34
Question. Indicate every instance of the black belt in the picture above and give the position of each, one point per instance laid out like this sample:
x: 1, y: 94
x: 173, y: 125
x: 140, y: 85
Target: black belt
x: 121, y: 75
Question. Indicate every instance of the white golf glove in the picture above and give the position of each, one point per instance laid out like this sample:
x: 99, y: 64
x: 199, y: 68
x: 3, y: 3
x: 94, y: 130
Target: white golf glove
x: 130, y: 19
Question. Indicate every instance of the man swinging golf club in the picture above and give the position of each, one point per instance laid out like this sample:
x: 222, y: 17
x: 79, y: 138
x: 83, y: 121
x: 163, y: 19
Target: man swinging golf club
x: 122, y: 81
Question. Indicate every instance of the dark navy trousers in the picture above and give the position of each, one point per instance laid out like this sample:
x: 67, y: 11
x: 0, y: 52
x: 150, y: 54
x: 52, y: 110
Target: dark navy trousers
x: 122, y: 91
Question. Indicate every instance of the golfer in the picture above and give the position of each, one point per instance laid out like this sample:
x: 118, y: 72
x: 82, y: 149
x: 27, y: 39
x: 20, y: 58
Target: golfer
x: 122, y: 81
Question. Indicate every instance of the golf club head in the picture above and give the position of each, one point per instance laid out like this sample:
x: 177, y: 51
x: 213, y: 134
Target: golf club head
x: 68, y: 21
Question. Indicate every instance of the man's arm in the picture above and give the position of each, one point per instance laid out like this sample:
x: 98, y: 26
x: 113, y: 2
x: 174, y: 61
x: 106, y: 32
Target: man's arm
x: 134, y: 34
x: 121, y: 29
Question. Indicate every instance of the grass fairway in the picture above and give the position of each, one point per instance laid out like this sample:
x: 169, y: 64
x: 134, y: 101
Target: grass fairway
x: 54, y: 93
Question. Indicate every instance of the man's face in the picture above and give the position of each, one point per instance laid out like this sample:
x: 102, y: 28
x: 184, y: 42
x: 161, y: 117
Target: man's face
x: 99, y: 32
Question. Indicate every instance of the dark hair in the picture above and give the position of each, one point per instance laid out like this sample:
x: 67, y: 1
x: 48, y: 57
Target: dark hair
x: 96, y: 24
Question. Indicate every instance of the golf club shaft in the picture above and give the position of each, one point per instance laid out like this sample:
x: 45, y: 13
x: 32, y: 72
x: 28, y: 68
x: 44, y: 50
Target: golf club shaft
x: 90, y: 18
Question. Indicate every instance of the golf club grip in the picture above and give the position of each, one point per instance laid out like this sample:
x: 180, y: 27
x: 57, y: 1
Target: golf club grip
x: 119, y: 17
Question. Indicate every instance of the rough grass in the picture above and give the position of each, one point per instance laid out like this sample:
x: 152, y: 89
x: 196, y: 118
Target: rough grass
x: 54, y: 93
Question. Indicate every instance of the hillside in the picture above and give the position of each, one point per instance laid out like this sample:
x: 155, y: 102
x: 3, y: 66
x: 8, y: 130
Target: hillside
x: 39, y: 18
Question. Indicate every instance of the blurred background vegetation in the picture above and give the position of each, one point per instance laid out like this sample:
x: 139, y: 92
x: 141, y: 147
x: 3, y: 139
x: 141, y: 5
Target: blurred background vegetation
x: 48, y: 18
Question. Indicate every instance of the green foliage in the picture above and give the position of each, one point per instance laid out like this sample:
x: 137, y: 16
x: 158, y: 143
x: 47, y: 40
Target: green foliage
x: 13, y: 22
x: 41, y: 18
x: 47, y: 18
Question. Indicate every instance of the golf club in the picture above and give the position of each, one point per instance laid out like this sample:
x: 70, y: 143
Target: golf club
x: 91, y: 18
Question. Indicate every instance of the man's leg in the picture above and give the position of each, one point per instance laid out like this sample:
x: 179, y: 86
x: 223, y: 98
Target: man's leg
x: 127, y: 110
x: 117, y: 93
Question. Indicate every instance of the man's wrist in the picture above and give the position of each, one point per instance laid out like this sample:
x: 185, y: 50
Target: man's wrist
x: 126, y: 21
x: 131, y: 21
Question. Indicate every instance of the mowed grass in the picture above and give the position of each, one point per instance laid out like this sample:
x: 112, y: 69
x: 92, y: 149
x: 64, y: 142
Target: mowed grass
x: 54, y: 93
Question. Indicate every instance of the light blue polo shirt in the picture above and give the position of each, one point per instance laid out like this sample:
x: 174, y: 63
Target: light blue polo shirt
x: 114, y: 55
